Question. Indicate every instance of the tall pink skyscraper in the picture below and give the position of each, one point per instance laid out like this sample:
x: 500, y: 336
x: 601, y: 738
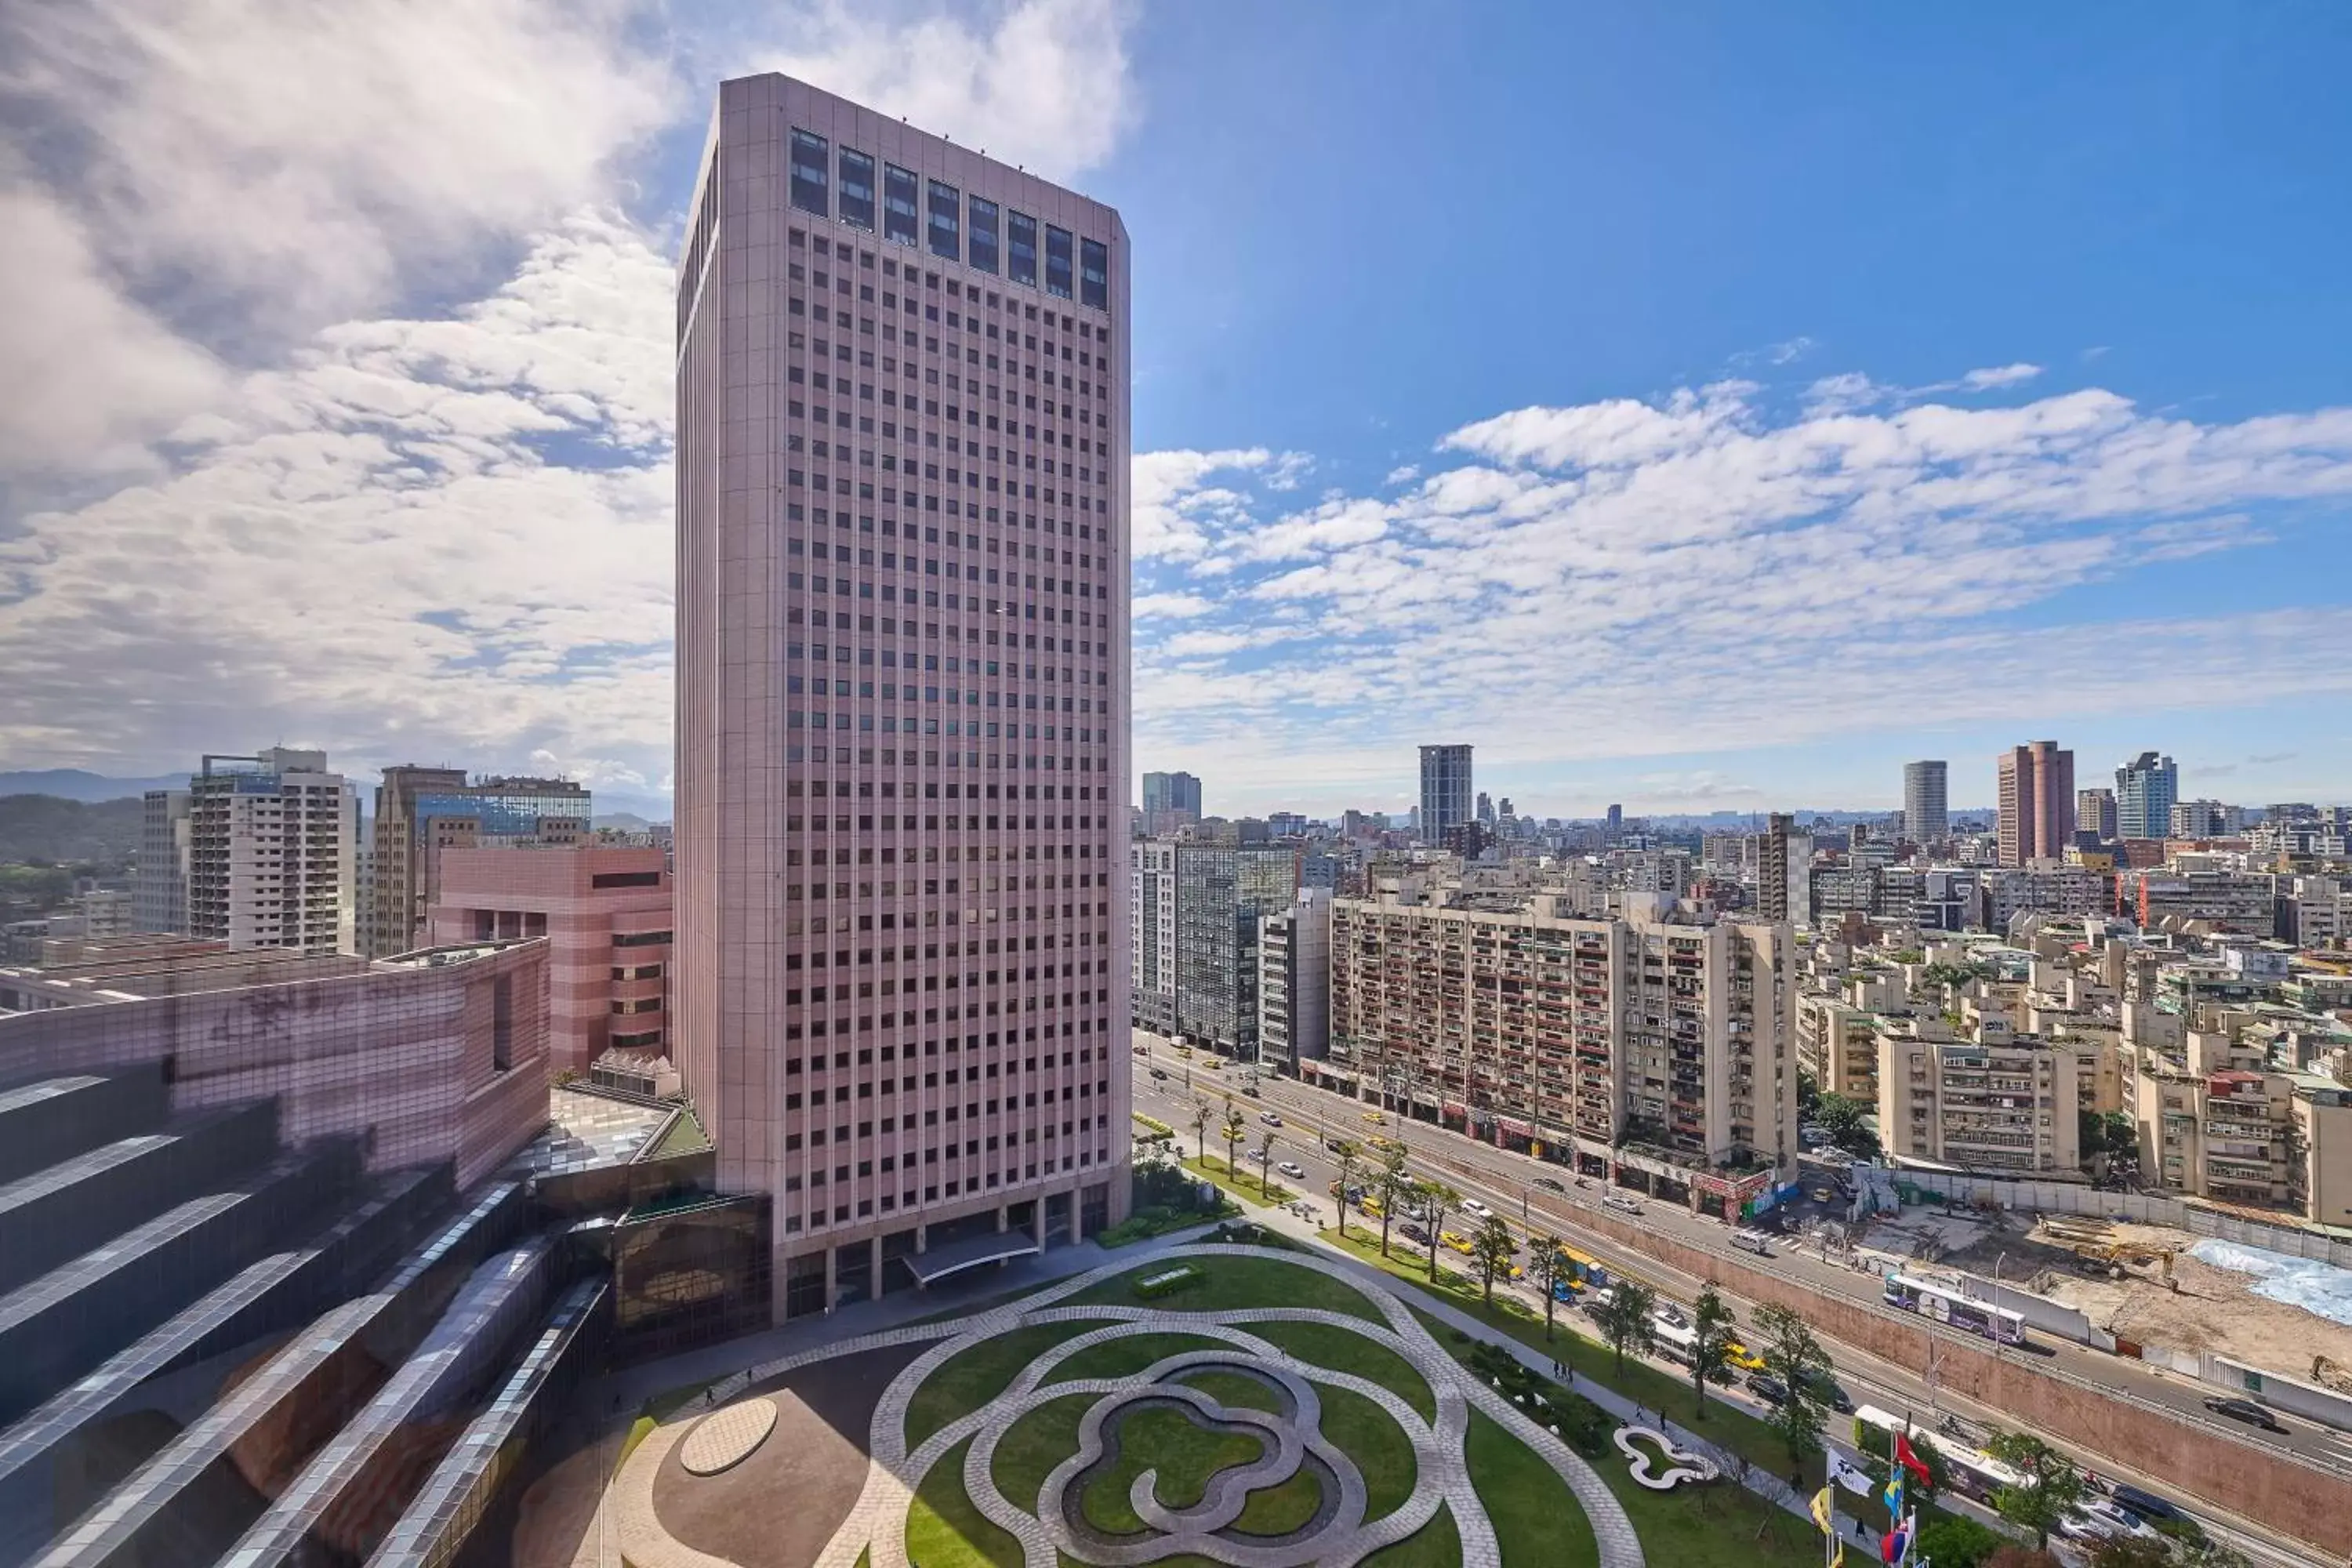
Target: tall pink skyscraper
x: 902, y: 693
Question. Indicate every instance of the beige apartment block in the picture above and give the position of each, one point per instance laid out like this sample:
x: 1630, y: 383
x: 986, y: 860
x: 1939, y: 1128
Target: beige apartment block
x: 2002, y: 1102
x: 1650, y: 1049
x: 1838, y: 1044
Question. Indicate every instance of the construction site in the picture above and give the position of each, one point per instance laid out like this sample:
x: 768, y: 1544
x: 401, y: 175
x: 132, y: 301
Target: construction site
x: 2139, y: 1282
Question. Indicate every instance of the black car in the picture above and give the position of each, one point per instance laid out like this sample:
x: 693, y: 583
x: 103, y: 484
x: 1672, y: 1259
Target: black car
x: 1767, y: 1388
x: 1827, y: 1389
x: 2148, y: 1505
x: 2245, y: 1410
x: 1413, y: 1230
x: 1550, y: 1184
x: 1160, y: 1073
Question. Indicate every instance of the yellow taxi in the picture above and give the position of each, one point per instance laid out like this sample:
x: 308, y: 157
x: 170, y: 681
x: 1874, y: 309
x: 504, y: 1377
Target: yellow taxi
x: 1457, y: 1241
x: 1377, y: 1117
x: 1740, y: 1356
x: 1369, y: 1204
x: 1377, y: 1141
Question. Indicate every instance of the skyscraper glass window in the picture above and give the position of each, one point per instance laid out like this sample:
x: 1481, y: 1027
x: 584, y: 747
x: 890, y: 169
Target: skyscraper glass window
x: 1021, y: 235
x: 947, y: 222
x: 808, y: 173
x: 1057, y: 262
x: 983, y: 213
x: 900, y: 219
x: 1094, y: 273
x: 857, y: 189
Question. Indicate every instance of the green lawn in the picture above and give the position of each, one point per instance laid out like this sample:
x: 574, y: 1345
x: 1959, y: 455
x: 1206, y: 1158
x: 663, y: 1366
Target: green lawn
x: 1536, y: 1519
x: 1233, y: 1389
x: 1235, y: 1282
x: 1325, y: 1345
x: 1125, y: 1357
x: 1279, y: 1509
x: 1242, y: 1186
x: 1034, y: 1444
x: 1370, y: 1435
x: 1184, y: 1454
x: 969, y: 1379
x: 945, y: 1530
x: 1437, y: 1545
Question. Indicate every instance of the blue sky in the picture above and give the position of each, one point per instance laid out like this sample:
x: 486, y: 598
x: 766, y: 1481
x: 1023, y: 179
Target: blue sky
x: 1699, y: 409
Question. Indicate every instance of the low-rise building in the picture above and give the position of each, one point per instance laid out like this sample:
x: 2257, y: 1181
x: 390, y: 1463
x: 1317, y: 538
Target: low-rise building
x: 2000, y: 1100
x: 606, y: 913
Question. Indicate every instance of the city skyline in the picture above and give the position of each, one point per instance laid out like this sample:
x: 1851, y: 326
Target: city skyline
x: 447, y: 374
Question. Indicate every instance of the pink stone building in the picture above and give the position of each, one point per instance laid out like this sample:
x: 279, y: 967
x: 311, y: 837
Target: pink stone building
x: 439, y: 1055
x: 606, y: 913
x: 902, y: 681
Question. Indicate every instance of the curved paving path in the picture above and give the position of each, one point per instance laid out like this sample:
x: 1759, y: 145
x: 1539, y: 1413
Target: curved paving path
x: 1338, y: 1537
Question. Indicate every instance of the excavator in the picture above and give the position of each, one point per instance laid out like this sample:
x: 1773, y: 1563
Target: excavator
x: 2096, y: 1243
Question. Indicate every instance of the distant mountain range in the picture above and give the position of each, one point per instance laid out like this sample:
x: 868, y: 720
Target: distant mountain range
x: 89, y: 788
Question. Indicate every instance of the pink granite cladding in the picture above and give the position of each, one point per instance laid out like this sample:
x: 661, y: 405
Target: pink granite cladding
x: 581, y: 897
x: 902, y: 976
x: 405, y: 1057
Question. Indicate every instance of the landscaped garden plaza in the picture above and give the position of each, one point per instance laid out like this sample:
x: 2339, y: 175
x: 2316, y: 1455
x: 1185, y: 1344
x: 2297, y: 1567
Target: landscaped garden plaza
x: 1240, y: 1404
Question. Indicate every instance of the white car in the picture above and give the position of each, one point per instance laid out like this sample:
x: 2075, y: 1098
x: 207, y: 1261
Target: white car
x: 1292, y: 1169
x: 1476, y: 1209
x: 1269, y: 1118
x: 2095, y: 1518
x: 1621, y: 1202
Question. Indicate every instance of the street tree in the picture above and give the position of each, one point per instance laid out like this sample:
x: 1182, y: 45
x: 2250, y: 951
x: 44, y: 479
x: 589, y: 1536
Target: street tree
x: 1437, y: 1200
x: 1264, y: 1166
x: 2048, y: 1483
x: 1548, y: 1261
x: 1711, y: 1326
x: 1791, y: 1354
x: 1841, y: 1116
x: 1235, y: 1128
x: 1624, y: 1320
x: 1201, y: 1115
x: 1492, y: 1251
x: 1351, y: 1160
x: 1392, y: 1182
x: 2131, y: 1551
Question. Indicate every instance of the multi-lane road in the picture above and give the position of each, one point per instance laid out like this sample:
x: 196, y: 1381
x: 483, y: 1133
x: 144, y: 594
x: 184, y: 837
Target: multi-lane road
x: 1507, y: 1182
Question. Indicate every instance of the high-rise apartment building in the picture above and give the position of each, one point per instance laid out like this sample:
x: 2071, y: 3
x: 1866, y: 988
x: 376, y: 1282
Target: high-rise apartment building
x: 1294, y: 982
x: 1926, y: 815
x: 2146, y: 788
x: 1642, y: 1049
x: 269, y: 852
x: 2037, y: 802
x: 2095, y: 814
x: 1223, y: 892
x: 423, y: 811
x: 902, y: 682
x: 1152, y: 933
x: 160, y: 886
x: 1772, y: 901
x: 1170, y: 801
x: 2206, y: 819
x: 1445, y: 791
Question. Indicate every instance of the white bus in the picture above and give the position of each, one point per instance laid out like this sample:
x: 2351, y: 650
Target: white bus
x: 1969, y: 1471
x: 1947, y: 1306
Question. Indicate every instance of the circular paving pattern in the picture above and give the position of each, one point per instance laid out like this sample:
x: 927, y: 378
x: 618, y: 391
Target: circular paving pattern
x: 1245, y: 1476
x: 726, y: 1437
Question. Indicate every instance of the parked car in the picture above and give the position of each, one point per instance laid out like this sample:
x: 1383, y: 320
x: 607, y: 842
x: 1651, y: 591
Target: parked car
x: 1740, y: 1356
x: 1292, y: 1169
x: 1550, y: 1185
x: 1767, y: 1388
x: 1824, y: 1194
x: 1827, y: 1389
x: 1160, y: 1073
x: 1253, y: 1157
x: 1457, y: 1241
x: 2148, y: 1505
x: 1476, y: 1209
x: 2246, y: 1410
x: 1414, y: 1230
x: 1271, y: 1118
x: 1621, y: 1202
x: 1755, y: 1241
x: 2095, y: 1518
x: 1564, y: 1289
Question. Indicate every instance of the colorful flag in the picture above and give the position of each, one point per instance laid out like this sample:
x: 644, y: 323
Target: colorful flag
x: 1823, y: 1509
x: 1909, y: 1460
x: 1849, y: 1475
x: 1894, y: 1494
x: 1837, y: 1555
x: 1894, y: 1545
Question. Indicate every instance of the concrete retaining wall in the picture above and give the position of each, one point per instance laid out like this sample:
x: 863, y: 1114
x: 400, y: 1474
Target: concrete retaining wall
x: 2288, y: 1394
x: 2238, y: 1477
x: 2059, y: 1197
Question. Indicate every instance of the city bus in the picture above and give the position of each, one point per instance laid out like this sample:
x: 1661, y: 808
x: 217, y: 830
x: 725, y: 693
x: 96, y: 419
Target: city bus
x: 1969, y: 1471
x: 1948, y: 1306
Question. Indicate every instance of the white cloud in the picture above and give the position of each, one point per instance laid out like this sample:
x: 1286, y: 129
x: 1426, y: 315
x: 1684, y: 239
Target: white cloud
x: 1176, y: 510
x: 1999, y: 376
x: 1171, y: 607
x: 1701, y: 574
x: 1404, y: 474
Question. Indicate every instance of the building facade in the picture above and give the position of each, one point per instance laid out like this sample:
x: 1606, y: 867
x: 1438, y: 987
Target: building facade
x: 160, y: 884
x: 2037, y: 802
x: 2005, y: 1101
x: 2145, y: 789
x: 1446, y: 792
x: 1170, y: 801
x: 422, y: 811
x: 1645, y: 1049
x: 1223, y: 892
x: 1772, y: 871
x: 902, y: 692
x: 1294, y: 982
x: 1926, y: 811
x: 1152, y: 933
x: 606, y: 913
x: 2239, y: 902
x: 269, y: 852
x: 2095, y: 814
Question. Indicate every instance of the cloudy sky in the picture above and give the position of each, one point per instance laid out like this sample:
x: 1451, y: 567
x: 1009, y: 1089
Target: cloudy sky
x: 1699, y: 411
